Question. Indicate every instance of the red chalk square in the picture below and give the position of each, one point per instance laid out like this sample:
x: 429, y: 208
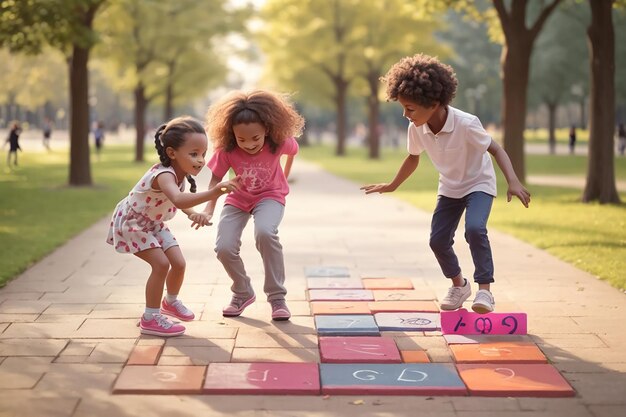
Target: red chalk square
x: 532, y: 380
x: 160, y: 380
x: 144, y: 355
x: 414, y: 356
x: 358, y: 349
x: 498, y: 352
x: 391, y: 306
x: 403, y: 295
x: 263, y: 378
x: 387, y: 283
x: 339, y: 307
x: 334, y: 283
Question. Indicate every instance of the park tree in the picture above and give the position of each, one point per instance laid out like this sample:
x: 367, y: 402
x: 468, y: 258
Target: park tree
x: 600, y: 183
x: 29, y: 25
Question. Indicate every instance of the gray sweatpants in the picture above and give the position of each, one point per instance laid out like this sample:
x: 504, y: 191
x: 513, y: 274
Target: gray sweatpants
x: 267, y: 216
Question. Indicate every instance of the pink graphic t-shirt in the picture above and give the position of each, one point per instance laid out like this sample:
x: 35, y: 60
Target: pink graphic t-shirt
x: 262, y: 176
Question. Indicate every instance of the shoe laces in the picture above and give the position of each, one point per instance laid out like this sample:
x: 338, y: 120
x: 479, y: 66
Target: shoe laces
x: 180, y: 307
x: 454, y: 293
x: 163, y: 321
x: 278, y: 304
x: 238, y: 301
x: 484, y: 297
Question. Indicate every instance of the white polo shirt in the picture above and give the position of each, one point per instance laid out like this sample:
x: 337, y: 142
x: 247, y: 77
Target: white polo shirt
x: 459, y: 152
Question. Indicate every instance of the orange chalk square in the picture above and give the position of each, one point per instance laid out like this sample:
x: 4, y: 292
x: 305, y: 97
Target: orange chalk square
x: 410, y: 306
x: 144, y: 355
x: 498, y: 352
x: 339, y: 307
x: 160, y: 380
x: 387, y: 283
x: 414, y: 356
x: 515, y: 380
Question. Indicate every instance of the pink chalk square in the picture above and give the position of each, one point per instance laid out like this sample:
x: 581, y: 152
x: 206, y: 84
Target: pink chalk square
x: 387, y: 283
x: 341, y: 295
x: 464, y: 322
x: 498, y: 352
x: 358, y: 349
x: 334, y: 283
x: 263, y: 378
x: 161, y: 380
x: 409, y: 306
x: 515, y: 380
x: 339, y: 307
x: 402, y: 295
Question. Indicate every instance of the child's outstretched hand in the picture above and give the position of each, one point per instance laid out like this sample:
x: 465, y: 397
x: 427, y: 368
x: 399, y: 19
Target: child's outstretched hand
x: 378, y: 188
x: 230, y: 185
x: 199, y: 220
x: 517, y: 189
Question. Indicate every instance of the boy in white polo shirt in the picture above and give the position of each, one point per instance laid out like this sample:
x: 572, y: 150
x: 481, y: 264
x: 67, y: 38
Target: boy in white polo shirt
x: 459, y: 148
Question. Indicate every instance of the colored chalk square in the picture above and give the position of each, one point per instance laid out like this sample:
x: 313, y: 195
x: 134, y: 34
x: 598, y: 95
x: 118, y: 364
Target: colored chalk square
x: 326, y: 271
x: 499, y: 352
x: 464, y: 322
x: 143, y: 379
x: 417, y: 322
x: 346, y: 325
x: 339, y: 307
x: 358, y: 349
x: 414, y: 356
x: 461, y: 339
x: 403, y: 295
x: 391, y: 379
x: 387, y: 283
x: 341, y: 295
x: 262, y: 378
x: 407, y: 306
x: 514, y: 380
x: 334, y: 283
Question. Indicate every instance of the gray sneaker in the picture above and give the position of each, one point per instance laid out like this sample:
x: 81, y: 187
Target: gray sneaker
x: 456, y: 296
x: 484, y: 302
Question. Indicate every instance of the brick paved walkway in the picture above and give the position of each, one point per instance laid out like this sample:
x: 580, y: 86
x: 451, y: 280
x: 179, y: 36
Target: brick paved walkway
x: 67, y: 325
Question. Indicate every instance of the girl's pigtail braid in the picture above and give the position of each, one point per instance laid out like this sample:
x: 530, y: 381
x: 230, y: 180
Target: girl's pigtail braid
x: 192, y: 183
x: 158, y: 144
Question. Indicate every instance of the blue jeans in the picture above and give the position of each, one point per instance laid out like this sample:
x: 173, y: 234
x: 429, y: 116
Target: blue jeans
x: 477, y: 206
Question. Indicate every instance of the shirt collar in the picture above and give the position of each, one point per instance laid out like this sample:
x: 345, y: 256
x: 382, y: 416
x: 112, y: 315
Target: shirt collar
x: 448, y: 126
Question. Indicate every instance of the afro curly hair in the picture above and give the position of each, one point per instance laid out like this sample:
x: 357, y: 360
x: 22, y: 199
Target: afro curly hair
x: 421, y: 79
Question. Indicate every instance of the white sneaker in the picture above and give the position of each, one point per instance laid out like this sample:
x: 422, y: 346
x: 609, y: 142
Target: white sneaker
x: 456, y: 296
x: 484, y: 302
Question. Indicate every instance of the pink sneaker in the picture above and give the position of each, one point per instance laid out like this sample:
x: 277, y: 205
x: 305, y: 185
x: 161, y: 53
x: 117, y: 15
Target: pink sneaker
x: 237, y: 305
x: 160, y: 326
x: 280, y: 312
x: 177, y: 309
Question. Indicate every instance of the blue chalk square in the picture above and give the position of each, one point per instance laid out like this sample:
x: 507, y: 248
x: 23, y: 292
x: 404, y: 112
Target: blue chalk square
x: 326, y: 271
x: 391, y: 379
x: 346, y: 325
x: 413, y: 321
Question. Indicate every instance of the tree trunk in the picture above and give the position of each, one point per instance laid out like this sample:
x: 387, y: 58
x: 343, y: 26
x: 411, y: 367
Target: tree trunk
x: 141, y: 105
x: 80, y: 168
x: 169, y: 102
x: 515, y: 69
x: 600, y: 184
x: 551, y: 126
x: 342, y: 91
x: 374, y: 116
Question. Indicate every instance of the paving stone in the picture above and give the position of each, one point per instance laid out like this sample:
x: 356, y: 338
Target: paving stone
x: 457, y: 339
x: 334, y: 283
x: 275, y: 355
x: 498, y: 352
x: 252, y: 339
x: 341, y: 295
x: 387, y: 283
x: 262, y: 378
x: 22, y: 372
x: 77, y: 348
x: 346, y: 325
x: 31, y: 347
x: 391, y: 379
x: 358, y: 349
x: 339, y: 307
x: 400, y: 321
x: 326, y: 271
x: 197, y: 355
x: 404, y: 306
x: 514, y: 380
x: 117, y: 328
x: 23, y: 306
x: 404, y: 295
x: 160, y: 380
x: 144, y: 355
x: 414, y: 356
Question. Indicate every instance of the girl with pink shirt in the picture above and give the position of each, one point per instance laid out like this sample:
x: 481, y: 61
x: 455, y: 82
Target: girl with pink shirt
x: 250, y: 132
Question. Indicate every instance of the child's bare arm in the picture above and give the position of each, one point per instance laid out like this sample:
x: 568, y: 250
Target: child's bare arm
x: 288, y: 164
x: 406, y: 169
x: 166, y: 182
x: 504, y: 162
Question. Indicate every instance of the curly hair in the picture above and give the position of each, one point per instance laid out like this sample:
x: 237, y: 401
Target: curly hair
x: 273, y: 111
x: 172, y: 135
x: 421, y: 79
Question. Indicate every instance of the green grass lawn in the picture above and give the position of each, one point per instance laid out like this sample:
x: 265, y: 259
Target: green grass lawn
x: 39, y: 212
x: 590, y: 236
